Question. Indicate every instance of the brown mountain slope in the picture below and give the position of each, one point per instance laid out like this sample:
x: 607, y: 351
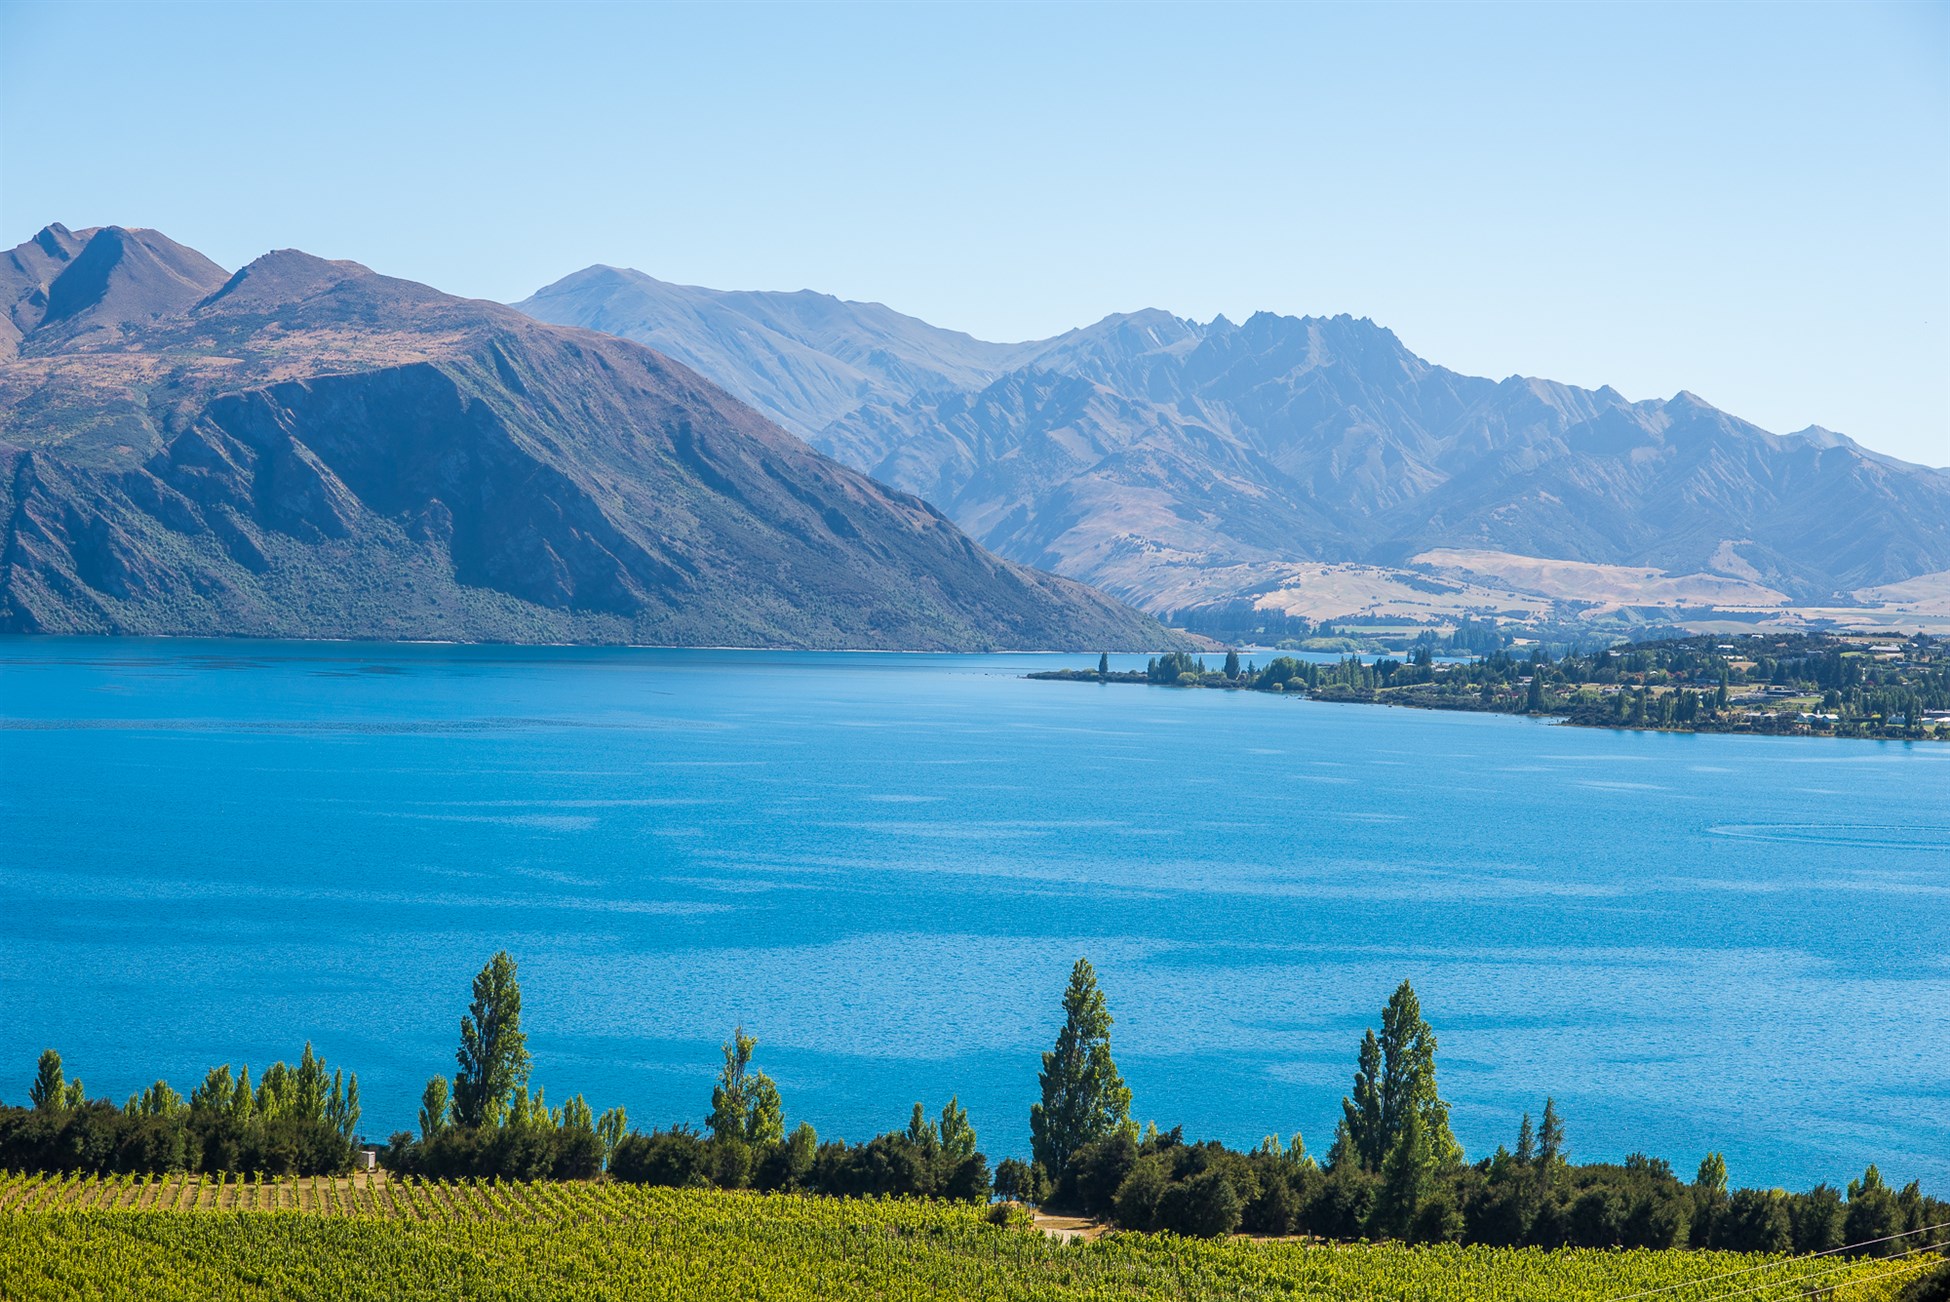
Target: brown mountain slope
x: 310, y: 449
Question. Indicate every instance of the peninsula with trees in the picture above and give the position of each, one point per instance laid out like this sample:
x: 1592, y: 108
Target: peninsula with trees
x: 1797, y: 684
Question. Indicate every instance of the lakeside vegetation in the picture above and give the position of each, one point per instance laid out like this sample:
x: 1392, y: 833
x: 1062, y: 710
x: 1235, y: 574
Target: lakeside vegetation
x: 1394, y: 1172
x: 1798, y: 684
x: 296, y: 1121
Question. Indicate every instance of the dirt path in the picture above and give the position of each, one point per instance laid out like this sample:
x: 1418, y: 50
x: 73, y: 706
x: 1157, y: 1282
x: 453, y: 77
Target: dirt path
x: 1068, y: 1229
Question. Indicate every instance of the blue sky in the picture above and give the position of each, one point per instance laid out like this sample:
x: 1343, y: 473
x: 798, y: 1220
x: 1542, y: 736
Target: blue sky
x: 1748, y: 201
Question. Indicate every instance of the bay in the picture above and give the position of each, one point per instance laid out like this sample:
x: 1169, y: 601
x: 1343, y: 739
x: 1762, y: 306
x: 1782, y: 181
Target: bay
x: 883, y: 866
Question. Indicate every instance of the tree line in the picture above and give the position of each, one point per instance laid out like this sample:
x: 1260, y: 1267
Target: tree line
x: 1394, y: 1169
x: 294, y: 1121
x: 484, y: 1123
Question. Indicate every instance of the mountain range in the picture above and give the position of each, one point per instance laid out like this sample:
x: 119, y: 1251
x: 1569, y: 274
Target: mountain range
x: 305, y: 448
x: 1179, y: 464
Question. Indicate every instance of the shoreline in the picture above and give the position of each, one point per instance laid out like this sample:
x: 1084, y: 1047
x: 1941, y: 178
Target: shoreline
x: 254, y: 638
x: 1556, y: 719
x: 1800, y: 685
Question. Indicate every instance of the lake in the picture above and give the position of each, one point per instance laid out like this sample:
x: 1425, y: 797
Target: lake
x: 883, y: 866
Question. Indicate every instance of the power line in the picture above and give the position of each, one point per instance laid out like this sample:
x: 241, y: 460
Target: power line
x: 1805, y: 1281
x: 1785, y: 1261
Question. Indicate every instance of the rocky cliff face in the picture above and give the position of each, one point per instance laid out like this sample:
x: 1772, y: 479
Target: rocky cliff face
x: 1159, y: 457
x: 309, y: 449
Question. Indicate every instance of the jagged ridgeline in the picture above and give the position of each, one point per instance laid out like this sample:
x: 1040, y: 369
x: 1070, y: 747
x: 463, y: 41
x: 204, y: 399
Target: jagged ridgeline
x: 308, y: 449
x: 1180, y: 464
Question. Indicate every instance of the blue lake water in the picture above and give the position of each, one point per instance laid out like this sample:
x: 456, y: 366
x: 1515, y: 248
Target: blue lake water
x: 884, y: 865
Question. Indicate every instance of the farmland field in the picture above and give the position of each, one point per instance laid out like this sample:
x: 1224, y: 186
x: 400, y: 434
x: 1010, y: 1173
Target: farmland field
x: 371, y: 1237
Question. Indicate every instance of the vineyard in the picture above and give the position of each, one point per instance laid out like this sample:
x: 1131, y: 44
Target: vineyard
x: 372, y: 1237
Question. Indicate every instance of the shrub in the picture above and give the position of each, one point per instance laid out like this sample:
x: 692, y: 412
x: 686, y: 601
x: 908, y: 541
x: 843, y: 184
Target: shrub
x: 1345, y: 1201
x: 1136, y: 1201
x: 1206, y: 1206
x: 678, y: 1158
x: 1017, y: 1180
x: 1596, y: 1219
x: 1096, y: 1172
x: 1276, y: 1209
x: 1817, y: 1217
x: 1437, y: 1220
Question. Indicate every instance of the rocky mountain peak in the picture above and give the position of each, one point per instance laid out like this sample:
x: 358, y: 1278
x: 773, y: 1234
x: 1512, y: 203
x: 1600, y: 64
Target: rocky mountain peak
x: 285, y: 276
x: 311, y: 449
x: 60, y: 243
x: 1325, y: 438
x: 107, y: 278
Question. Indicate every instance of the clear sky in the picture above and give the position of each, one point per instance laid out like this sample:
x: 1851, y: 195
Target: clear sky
x: 1748, y: 201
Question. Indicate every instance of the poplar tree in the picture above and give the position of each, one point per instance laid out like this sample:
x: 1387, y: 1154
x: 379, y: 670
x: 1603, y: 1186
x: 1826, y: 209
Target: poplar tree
x: 493, y: 1054
x: 1407, y: 1178
x: 214, y: 1095
x: 1526, y: 1142
x: 1396, y: 1076
x: 610, y: 1128
x: 921, y: 1132
x: 1084, y: 1098
x: 159, y: 1100
x: 1103, y: 665
x: 1710, y: 1200
x: 309, y: 1095
x: 342, y: 1108
x: 957, y: 1136
x: 1366, y: 1127
x: 242, y: 1105
x: 1550, y: 1136
x: 745, y: 1105
x: 433, y: 1108
x: 49, y: 1092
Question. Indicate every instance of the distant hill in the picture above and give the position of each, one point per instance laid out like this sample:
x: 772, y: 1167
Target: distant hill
x: 308, y: 449
x: 803, y: 359
x: 1176, y: 463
